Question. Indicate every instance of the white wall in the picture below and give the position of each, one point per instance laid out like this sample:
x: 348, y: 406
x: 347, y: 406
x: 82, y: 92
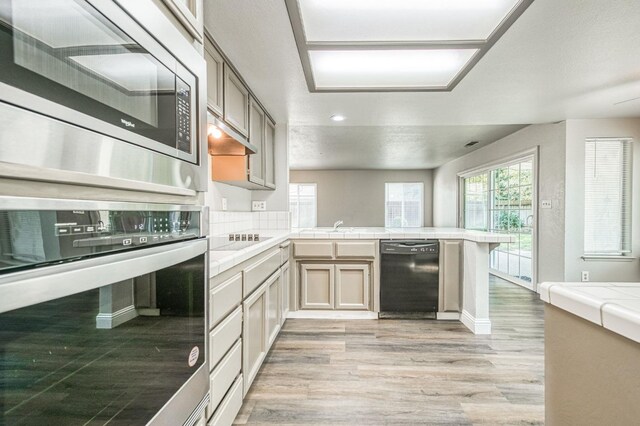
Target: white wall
x: 577, y: 132
x: 357, y: 196
x: 550, y: 141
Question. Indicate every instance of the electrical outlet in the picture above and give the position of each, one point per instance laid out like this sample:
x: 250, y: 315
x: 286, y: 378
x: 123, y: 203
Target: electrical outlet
x: 224, y: 204
x: 545, y: 204
x: 258, y: 206
x: 585, y: 276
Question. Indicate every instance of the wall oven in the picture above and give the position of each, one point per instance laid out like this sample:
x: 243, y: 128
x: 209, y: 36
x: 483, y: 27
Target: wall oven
x: 84, y: 87
x: 102, y: 312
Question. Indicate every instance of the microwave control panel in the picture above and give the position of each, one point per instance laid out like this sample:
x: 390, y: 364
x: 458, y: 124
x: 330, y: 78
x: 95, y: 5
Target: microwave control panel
x: 183, y: 116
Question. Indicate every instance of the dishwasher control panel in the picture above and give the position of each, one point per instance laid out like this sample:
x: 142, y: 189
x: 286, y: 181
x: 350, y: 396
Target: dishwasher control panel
x: 409, y: 246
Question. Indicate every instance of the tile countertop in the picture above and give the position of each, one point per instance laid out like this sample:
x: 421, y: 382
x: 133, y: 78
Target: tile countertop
x: 614, y: 306
x: 346, y: 232
x: 221, y: 260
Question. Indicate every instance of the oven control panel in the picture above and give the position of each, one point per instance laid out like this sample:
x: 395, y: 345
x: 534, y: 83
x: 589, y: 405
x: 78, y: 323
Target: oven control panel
x: 183, y: 116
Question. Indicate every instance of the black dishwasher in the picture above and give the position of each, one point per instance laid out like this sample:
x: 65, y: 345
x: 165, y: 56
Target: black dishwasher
x: 409, y: 278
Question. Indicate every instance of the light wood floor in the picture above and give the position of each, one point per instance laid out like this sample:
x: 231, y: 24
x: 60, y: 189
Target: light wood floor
x: 400, y: 372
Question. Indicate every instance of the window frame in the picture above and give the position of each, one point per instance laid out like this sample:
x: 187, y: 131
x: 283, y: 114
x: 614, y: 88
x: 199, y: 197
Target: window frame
x: 297, y: 201
x: 386, y: 204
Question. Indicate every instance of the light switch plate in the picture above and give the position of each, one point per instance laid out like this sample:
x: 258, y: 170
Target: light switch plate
x: 258, y: 206
x: 545, y: 204
x: 224, y: 204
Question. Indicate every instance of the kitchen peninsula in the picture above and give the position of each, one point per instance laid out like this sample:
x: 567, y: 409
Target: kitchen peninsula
x: 464, y: 254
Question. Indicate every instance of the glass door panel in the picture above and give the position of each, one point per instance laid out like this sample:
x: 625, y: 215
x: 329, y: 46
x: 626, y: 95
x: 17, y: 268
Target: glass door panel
x: 501, y: 201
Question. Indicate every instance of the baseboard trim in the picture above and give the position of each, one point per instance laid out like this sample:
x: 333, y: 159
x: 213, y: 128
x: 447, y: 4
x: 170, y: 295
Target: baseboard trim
x: 112, y: 320
x: 448, y: 316
x: 476, y: 325
x: 347, y: 315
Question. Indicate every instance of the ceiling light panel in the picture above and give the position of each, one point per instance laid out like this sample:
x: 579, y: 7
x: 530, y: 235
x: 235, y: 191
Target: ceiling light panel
x: 387, y: 68
x: 402, y: 20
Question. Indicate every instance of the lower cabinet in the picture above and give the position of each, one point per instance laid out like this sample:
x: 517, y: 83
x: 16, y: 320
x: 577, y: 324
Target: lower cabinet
x: 274, y: 292
x: 285, y: 279
x: 335, y: 286
x: 254, y: 334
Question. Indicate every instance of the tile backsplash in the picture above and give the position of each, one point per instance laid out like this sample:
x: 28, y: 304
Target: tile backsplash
x: 228, y: 222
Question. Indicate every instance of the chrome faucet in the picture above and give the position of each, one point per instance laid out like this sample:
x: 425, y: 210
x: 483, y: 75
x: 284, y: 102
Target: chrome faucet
x: 337, y: 224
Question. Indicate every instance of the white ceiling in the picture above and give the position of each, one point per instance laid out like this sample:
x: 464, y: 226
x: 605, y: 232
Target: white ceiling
x: 560, y: 60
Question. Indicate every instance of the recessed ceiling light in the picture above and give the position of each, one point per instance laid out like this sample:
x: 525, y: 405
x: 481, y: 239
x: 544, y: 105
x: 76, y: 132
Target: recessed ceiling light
x: 472, y: 143
x: 337, y: 117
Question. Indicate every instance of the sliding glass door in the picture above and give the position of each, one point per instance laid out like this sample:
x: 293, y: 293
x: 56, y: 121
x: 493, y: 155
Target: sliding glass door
x: 500, y: 200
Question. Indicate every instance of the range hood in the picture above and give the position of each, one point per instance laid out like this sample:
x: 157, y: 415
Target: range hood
x: 224, y: 140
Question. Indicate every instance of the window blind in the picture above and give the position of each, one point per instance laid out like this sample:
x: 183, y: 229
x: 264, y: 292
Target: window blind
x: 403, y: 205
x: 607, y: 196
x: 303, y: 205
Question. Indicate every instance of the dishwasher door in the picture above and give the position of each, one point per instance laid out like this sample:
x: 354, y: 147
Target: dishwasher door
x: 409, y: 278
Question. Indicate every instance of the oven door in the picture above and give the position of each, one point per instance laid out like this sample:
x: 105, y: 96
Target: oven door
x: 118, y: 339
x: 68, y: 60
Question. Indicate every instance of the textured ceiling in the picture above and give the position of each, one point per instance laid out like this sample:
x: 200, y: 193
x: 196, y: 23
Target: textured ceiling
x: 561, y: 59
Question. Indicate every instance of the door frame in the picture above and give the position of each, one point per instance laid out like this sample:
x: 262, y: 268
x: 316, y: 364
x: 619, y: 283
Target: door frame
x: 521, y: 156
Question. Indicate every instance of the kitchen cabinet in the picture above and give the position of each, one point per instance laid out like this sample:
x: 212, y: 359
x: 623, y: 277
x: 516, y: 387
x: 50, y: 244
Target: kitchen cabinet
x: 269, y: 157
x: 285, y: 278
x: 215, y: 79
x: 352, y: 286
x: 236, y: 102
x: 254, y: 334
x: 316, y: 286
x: 450, y: 276
x: 257, y: 139
x: 335, y: 286
x: 274, y: 296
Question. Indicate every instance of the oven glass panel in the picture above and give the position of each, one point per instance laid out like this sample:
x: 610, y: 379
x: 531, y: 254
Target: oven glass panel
x: 114, y: 355
x: 69, y: 53
x: 30, y: 238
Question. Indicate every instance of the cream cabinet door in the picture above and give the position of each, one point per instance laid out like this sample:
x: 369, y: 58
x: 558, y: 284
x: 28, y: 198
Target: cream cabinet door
x: 274, y: 293
x: 236, y: 102
x: 352, y: 287
x: 450, y: 275
x: 316, y: 286
x: 270, y: 155
x: 256, y: 137
x: 286, y: 282
x: 254, y: 334
x: 215, y: 78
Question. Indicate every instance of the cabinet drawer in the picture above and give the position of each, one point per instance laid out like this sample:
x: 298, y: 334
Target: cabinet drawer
x: 224, y: 336
x: 285, y: 252
x: 360, y: 249
x: 257, y: 273
x: 316, y: 249
x: 224, y: 375
x: 224, y: 298
x: 229, y: 407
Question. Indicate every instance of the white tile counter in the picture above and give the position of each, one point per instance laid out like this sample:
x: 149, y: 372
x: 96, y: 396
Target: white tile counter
x: 614, y: 306
x: 397, y: 233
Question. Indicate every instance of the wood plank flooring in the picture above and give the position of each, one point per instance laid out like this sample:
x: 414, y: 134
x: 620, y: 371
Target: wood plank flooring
x: 402, y: 372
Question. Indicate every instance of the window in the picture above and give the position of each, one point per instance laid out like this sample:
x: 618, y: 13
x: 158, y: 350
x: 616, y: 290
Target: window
x: 607, y: 197
x: 403, y: 205
x: 303, y: 205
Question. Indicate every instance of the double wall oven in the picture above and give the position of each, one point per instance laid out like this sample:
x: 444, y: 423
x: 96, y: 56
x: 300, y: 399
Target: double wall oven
x: 102, y: 312
x: 100, y: 89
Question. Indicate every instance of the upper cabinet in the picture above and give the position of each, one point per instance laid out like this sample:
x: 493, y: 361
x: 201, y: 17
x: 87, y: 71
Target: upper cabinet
x: 256, y: 137
x: 215, y: 78
x: 270, y: 154
x: 236, y: 102
x: 189, y: 13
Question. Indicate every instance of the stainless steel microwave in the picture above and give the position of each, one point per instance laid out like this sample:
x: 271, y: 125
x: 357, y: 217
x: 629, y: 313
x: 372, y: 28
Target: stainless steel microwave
x: 90, y: 70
